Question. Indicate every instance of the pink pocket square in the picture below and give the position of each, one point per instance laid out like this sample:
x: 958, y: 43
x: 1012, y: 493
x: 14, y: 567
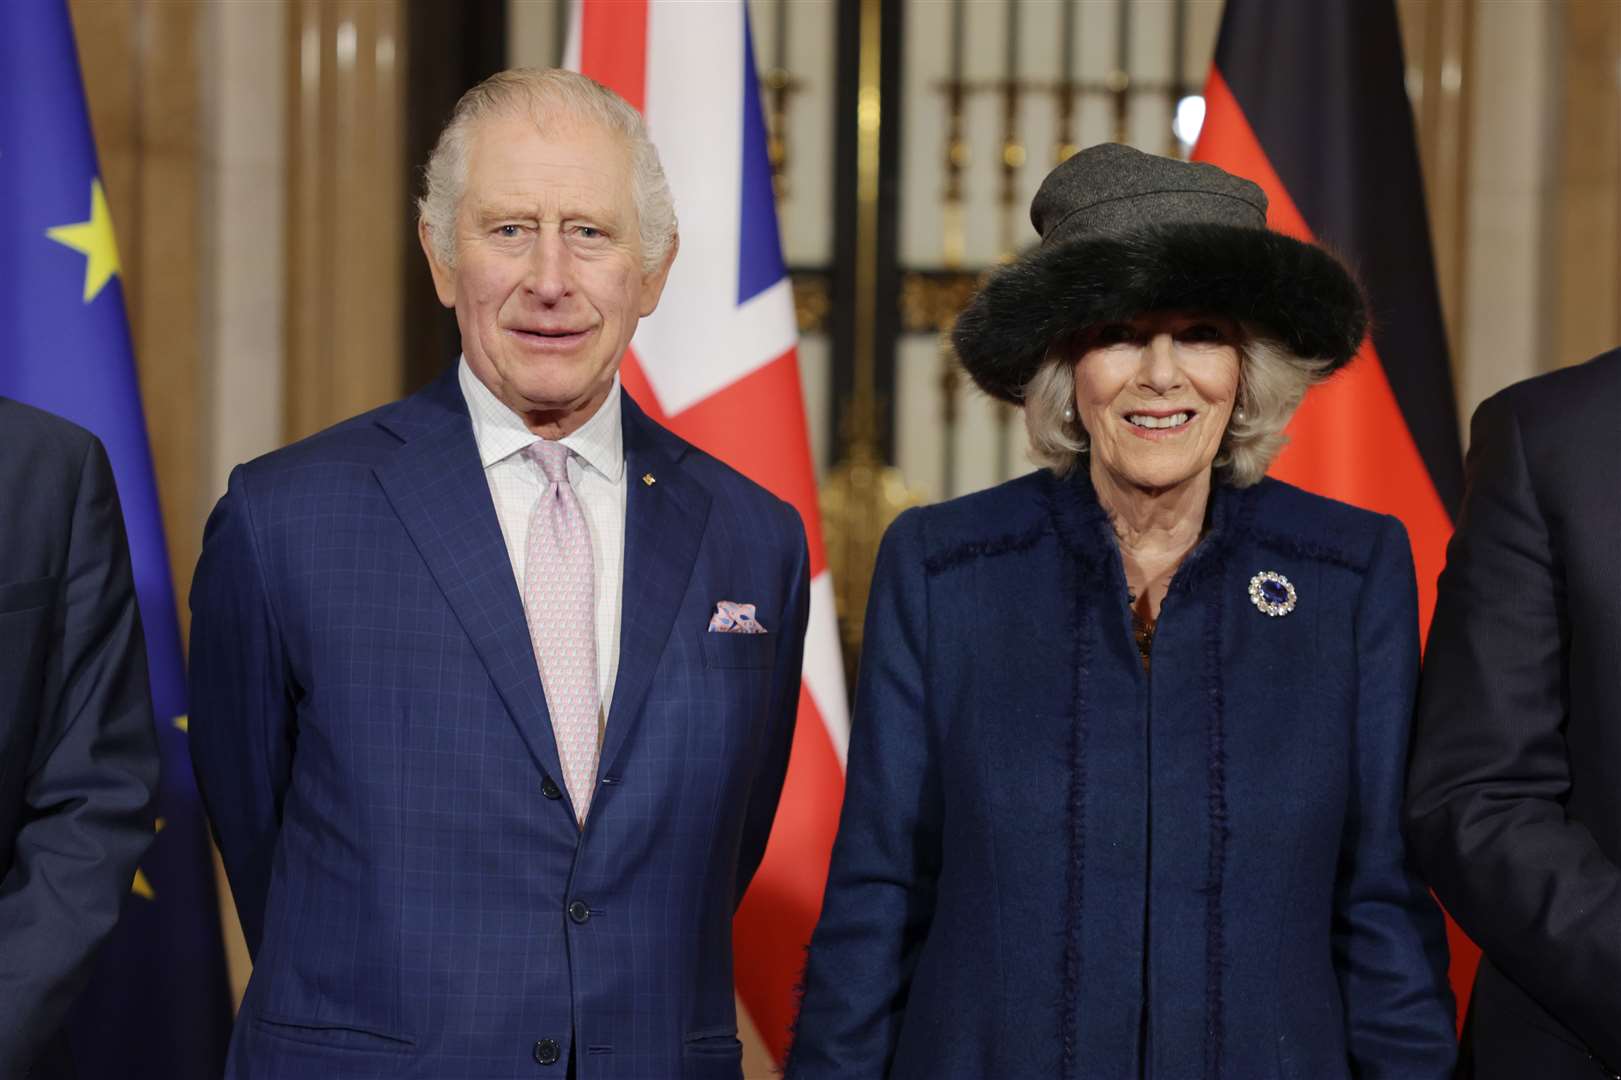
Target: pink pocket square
x: 733, y: 618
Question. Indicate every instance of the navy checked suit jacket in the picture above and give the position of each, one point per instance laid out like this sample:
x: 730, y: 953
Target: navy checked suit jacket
x: 371, y: 738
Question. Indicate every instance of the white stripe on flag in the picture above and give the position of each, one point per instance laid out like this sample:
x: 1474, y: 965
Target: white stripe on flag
x: 700, y: 340
x: 824, y: 667
x: 571, y: 44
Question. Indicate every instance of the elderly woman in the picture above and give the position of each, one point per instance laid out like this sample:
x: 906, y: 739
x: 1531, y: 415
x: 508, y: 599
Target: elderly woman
x: 1126, y: 766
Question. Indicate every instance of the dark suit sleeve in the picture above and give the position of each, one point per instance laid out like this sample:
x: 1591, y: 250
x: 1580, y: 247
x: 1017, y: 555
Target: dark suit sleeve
x: 1490, y: 771
x: 88, y: 795
x: 785, y: 679
x: 881, y: 885
x: 242, y: 704
x: 1389, y: 941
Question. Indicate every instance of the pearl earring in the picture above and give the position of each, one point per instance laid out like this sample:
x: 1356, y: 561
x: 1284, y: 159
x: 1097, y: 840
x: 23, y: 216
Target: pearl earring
x: 1238, y: 414
x: 1069, y: 414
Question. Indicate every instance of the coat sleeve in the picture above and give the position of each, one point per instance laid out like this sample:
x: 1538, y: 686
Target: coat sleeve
x: 785, y: 679
x: 88, y: 794
x: 880, y: 896
x: 1388, y: 937
x: 242, y: 704
x: 1491, y: 773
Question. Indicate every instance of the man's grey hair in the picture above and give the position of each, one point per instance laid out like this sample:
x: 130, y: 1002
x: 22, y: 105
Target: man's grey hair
x: 1271, y: 383
x: 546, y: 95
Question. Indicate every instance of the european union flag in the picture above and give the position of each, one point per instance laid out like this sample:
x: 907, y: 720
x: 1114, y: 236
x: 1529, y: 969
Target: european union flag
x: 159, y: 1004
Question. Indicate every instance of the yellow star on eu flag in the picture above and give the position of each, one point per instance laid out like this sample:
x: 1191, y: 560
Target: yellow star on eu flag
x: 143, y: 887
x: 94, y: 240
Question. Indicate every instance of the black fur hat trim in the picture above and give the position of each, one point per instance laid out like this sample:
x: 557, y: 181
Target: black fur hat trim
x: 1297, y: 292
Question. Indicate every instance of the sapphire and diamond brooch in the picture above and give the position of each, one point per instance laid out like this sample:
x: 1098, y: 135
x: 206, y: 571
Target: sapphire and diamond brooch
x: 1272, y: 593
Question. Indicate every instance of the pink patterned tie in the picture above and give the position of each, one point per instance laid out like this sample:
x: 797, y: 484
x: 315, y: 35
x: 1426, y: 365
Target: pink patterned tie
x: 559, y: 597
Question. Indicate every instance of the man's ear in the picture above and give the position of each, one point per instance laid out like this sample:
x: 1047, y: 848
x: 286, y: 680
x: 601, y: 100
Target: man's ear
x: 653, y: 281
x: 444, y: 279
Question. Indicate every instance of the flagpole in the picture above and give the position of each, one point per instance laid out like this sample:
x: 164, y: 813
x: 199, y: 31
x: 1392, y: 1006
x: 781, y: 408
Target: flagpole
x: 1013, y: 158
x: 861, y: 494
x: 953, y: 243
x: 1065, y: 144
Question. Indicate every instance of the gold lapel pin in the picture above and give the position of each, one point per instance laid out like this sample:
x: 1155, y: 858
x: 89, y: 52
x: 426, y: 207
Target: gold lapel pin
x: 647, y: 478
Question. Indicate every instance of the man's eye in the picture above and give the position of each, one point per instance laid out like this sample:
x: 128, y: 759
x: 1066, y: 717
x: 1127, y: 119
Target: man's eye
x: 509, y: 231
x: 588, y: 232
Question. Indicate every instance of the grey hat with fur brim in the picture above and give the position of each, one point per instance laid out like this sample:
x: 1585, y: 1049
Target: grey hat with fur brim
x: 1124, y: 233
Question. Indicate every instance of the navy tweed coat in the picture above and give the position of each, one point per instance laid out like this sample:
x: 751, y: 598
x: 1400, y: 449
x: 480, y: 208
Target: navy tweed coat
x: 1053, y: 865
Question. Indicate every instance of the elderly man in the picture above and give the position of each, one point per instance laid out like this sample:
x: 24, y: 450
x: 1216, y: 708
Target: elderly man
x: 78, y: 753
x: 493, y: 687
x: 1514, y: 790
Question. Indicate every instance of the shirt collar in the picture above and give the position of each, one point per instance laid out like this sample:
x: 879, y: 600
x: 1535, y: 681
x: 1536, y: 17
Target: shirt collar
x: 499, y: 432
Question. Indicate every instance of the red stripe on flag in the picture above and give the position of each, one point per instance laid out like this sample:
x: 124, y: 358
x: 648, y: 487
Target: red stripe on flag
x: 1226, y: 139
x: 757, y: 426
x: 1356, y: 408
x: 779, y: 911
x: 1349, y: 440
x: 613, y: 46
x: 634, y: 380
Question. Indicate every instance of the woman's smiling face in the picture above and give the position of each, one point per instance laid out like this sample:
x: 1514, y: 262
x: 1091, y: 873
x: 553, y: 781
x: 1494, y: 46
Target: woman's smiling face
x: 1155, y: 393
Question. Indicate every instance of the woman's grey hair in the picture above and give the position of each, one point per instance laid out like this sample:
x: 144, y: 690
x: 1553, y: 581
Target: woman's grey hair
x: 1271, y: 384
x: 545, y: 95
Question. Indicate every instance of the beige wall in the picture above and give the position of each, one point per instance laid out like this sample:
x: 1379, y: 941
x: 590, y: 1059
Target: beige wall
x: 1587, y: 208
x: 1509, y: 251
x: 346, y: 182
x: 243, y: 212
x: 1542, y: 248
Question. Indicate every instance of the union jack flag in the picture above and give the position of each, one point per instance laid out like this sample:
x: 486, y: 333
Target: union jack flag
x: 718, y: 364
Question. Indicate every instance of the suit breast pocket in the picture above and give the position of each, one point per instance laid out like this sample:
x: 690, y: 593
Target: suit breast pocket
x: 723, y: 650
x: 27, y: 595
x: 25, y: 621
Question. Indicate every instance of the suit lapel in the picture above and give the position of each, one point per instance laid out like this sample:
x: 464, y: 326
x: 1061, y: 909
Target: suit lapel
x: 436, y: 485
x: 664, y: 526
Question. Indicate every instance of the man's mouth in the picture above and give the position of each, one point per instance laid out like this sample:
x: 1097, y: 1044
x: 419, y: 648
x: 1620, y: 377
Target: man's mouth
x: 547, y: 334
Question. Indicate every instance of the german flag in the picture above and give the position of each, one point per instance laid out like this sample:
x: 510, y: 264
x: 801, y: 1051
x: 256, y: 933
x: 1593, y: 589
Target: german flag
x: 1308, y: 100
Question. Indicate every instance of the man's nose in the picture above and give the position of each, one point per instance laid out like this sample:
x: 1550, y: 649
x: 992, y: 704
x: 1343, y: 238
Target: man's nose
x: 549, y: 267
x: 1161, y: 370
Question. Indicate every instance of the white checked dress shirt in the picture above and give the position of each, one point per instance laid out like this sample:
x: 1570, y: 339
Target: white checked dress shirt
x: 596, y: 470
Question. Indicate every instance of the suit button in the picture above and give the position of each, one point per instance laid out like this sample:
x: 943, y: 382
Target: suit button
x: 549, y: 788
x: 546, y: 1052
x: 579, y: 911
